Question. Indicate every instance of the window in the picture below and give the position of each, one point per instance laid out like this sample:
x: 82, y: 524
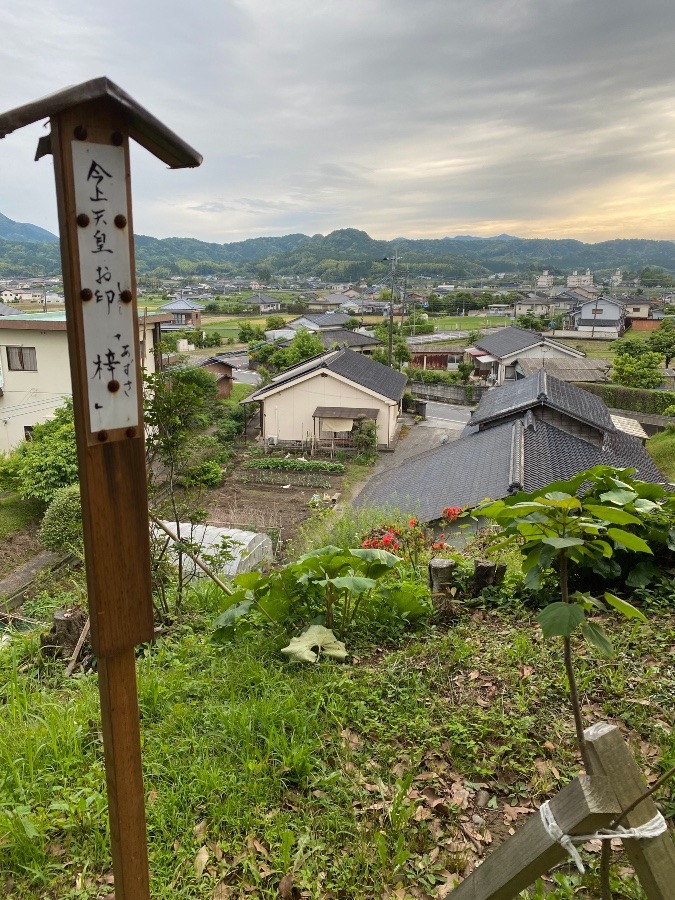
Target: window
x: 28, y: 432
x: 21, y: 359
x: 598, y: 312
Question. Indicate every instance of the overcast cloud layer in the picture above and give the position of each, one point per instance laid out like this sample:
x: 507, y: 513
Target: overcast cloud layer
x: 400, y: 117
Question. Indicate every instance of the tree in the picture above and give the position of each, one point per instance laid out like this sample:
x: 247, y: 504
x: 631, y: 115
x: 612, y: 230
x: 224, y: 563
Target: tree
x: 179, y: 404
x: 401, y: 353
x: 567, y: 525
x: 40, y: 467
x: 662, y: 341
x: 352, y: 324
x: 635, y: 365
x: 272, y: 323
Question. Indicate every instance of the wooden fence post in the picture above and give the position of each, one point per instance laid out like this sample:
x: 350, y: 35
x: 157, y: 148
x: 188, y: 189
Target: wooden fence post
x: 585, y: 805
x: 654, y: 858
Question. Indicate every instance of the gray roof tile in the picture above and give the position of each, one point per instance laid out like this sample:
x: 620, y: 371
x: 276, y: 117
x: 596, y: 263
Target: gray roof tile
x: 542, y: 389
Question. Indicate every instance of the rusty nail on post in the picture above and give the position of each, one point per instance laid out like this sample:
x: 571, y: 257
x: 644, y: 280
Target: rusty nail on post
x: 80, y: 133
x: 82, y: 220
x: 126, y: 297
x: 120, y: 221
x: 102, y: 436
x: 85, y: 294
x: 113, y: 386
x: 130, y: 432
x: 117, y: 138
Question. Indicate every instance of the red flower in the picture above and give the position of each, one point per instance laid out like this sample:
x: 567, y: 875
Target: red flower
x: 412, y: 522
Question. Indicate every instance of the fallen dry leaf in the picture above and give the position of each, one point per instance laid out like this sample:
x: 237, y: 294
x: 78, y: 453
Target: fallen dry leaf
x: 200, y: 829
x: 460, y: 795
x: 201, y: 860
x: 511, y: 813
x: 286, y: 887
x: 223, y: 891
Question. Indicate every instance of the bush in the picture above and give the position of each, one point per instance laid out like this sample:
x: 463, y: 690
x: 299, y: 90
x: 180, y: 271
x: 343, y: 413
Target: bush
x: 205, y: 474
x: 432, y: 376
x: 61, y: 529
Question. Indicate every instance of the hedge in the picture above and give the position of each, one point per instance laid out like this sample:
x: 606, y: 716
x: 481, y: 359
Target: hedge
x: 637, y: 399
x: 432, y: 376
x: 295, y: 465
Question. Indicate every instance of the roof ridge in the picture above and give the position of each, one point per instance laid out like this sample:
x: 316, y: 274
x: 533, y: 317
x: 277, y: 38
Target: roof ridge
x: 517, y: 460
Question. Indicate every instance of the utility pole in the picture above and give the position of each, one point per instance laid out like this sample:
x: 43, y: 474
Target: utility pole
x: 394, y: 261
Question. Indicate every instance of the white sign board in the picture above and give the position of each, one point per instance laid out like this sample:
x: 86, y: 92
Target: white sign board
x: 110, y: 341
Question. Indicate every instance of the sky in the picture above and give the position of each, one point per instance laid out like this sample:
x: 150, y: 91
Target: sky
x: 415, y: 118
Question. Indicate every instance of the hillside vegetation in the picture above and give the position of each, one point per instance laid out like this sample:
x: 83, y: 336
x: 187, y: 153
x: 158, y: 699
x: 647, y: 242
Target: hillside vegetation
x: 350, y: 254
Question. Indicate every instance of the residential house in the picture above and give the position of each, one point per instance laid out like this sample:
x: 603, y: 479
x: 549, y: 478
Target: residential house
x: 35, y: 368
x: 523, y: 436
x: 186, y: 315
x: 496, y: 356
x: 221, y: 371
x: 263, y: 304
x: 534, y: 304
x: 357, y: 341
x: 319, y: 321
x: 643, y: 314
x: 322, y: 400
x: 327, y: 302
x: 601, y: 317
x: 6, y: 310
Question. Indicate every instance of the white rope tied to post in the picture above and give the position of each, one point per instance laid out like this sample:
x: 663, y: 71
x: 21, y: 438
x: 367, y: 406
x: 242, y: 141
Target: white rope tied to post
x: 651, y: 829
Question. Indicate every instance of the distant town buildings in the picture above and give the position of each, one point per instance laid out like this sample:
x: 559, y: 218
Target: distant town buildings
x: 576, y: 280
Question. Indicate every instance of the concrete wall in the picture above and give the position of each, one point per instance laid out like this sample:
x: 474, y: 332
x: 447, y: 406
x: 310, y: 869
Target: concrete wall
x: 448, y: 393
x: 288, y: 414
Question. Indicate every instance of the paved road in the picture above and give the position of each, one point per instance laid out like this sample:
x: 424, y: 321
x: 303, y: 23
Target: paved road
x: 446, y: 414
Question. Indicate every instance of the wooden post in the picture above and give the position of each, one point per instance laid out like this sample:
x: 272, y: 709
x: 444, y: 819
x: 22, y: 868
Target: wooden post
x: 653, y: 858
x: 91, y: 126
x: 585, y: 805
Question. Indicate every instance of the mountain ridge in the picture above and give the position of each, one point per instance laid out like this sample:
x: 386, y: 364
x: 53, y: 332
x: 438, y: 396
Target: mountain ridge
x: 24, y: 232
x: 349, y: 254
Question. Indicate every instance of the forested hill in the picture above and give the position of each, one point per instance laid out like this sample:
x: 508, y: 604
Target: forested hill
x: 22, y: 231
x: 349, y: 254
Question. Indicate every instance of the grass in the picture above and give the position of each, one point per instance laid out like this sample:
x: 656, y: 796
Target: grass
x: 352, y: 778
x: 17, y: 514
x: 240, y: 391
x: 661, y: 448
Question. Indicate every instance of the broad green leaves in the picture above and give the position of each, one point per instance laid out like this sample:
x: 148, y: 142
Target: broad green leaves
x: 560, y: 619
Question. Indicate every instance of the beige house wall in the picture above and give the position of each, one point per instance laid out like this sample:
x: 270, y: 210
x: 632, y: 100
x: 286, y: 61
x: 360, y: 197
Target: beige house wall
x: 287, y: 415
x: 507, y: 371
x: 30, y: 398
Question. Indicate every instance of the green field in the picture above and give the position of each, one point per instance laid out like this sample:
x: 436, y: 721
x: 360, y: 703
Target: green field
x: 661, y: 448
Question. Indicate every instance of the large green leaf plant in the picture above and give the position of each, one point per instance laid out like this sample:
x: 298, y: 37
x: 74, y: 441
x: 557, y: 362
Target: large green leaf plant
x: 578, y: 525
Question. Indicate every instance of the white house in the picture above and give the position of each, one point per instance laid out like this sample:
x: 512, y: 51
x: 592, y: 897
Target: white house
x: 495, y: 357
x: 323, y: 399
x: 35, y: 369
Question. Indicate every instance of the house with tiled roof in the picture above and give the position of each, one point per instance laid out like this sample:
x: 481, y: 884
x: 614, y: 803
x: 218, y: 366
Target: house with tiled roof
x: 185, y: 315
x: 522, y: 436
x: 263, y: 303
x: 323, y: 400
x: 495, y: 357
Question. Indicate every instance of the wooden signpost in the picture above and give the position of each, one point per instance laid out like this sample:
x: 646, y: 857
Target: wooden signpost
x: 91, y: 125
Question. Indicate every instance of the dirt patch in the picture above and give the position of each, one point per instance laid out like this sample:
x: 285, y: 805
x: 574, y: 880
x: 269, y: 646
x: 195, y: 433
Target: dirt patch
x: 267, y: 507
x: 17, y: 548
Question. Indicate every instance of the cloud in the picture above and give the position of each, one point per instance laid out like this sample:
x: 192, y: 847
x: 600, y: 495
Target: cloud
x: 432, y: 118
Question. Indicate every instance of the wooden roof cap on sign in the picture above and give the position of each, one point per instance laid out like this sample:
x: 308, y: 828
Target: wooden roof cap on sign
x: 144, y: 128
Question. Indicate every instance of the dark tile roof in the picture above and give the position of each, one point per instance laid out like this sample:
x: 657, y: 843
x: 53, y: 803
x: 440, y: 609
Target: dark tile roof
x: 180, y: 305
x: 351, y: 365
x: 526, y: 454
x: 508, y: 340
x: 345, y: 338
x: 461, y: 473
x: 368, y: 373
x: 569, y: 369
x: 542, y: 389
x: 323, y: 320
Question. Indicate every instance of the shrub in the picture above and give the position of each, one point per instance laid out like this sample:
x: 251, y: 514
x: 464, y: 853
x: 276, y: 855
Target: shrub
x: 432, y: 376
x: 61, y: 529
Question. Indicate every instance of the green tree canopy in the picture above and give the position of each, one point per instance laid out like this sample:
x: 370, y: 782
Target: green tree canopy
x: 39, y: 467
x: 662, y: 341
